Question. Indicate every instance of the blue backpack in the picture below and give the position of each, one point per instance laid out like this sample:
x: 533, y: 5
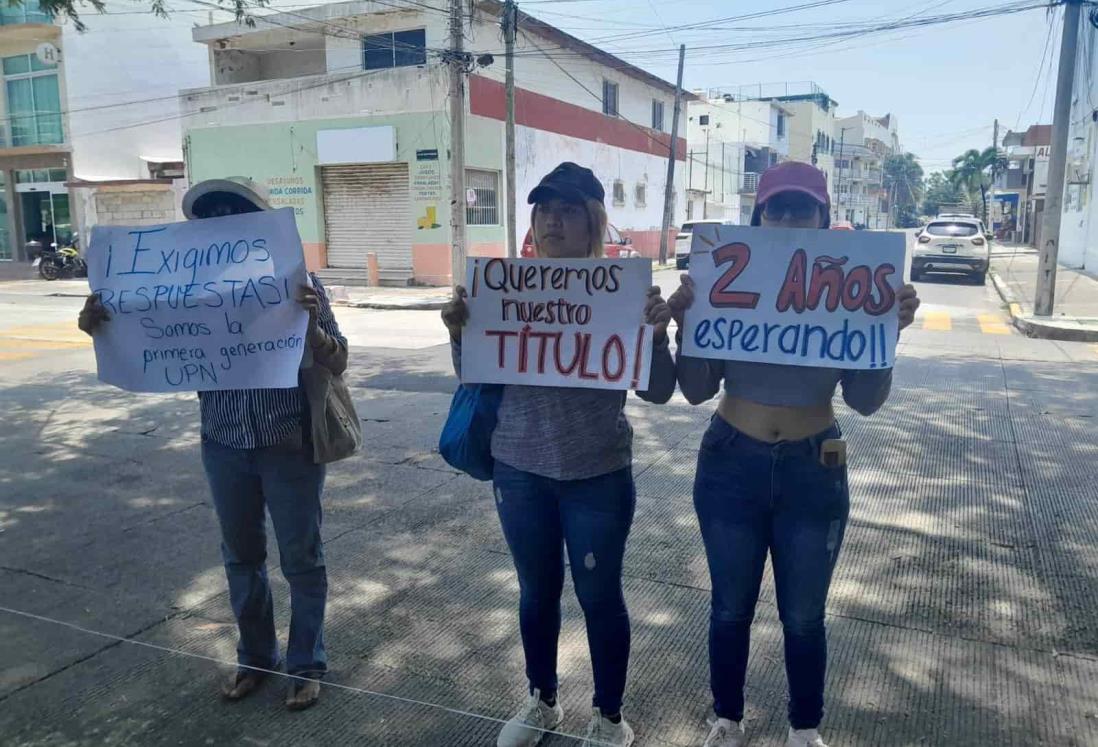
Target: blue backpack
x: 466, y: 440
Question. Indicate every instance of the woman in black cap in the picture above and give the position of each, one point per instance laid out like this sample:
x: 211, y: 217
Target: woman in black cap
x: 564, y: 479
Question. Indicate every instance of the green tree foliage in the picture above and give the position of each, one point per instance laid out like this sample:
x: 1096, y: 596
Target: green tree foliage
x: 974, y: 172
x: 903, y: 181
x: 940, y: 191
x: 71, y: 9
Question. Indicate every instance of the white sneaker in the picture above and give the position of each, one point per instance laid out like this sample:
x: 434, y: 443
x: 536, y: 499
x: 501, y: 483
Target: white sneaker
x: 804, y: 738
x: 527, y: 727
x: 725, y: 733
x: 603, y: 732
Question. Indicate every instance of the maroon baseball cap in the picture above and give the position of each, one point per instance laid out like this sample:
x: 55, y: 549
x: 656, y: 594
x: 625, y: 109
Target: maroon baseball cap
x: 791, y: 176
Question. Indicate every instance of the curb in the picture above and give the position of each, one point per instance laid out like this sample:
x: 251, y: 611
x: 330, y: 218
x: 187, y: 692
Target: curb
x: 1034, y: 329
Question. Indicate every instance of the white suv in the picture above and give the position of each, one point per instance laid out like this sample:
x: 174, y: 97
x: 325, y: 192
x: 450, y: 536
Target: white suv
x: 685, y: 238
x: 952, y: 245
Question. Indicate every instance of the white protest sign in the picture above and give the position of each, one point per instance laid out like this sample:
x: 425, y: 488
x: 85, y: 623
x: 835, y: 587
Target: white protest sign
x: 202, y: 305
x: 557, y: 322
x: 802, y: 297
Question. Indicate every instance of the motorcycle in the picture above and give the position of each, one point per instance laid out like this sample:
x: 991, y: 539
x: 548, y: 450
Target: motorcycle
x: 65, y: 262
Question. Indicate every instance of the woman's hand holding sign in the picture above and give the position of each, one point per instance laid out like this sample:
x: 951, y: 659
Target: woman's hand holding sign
x: 455, y: 312
x: 92, y: 315
x: 681, y: 300
x: 908, y: 301
x: 657, y: 313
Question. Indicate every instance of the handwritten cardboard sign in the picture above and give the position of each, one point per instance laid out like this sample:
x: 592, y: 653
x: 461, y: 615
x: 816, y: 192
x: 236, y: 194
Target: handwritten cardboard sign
x: 557, y: 322
x: 202, y: 305
x: 802, y: 297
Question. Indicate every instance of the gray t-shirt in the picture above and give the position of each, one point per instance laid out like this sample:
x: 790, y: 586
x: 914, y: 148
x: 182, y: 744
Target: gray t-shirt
x: 774, y: 384
x: 571, y: 434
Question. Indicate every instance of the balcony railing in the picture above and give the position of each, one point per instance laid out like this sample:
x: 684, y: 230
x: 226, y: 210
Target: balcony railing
x: 750, y: 183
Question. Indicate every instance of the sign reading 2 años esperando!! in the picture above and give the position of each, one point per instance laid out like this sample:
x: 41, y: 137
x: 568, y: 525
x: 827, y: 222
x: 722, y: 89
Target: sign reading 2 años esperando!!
x: 557, y: 322
x: 801, y: 297
x: 202, y: 305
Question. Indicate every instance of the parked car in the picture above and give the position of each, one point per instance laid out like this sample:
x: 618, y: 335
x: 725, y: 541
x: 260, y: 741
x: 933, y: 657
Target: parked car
x: 842, y: 226
x: 955, y: 245
x: 615, y: 245
x: 685, y: 238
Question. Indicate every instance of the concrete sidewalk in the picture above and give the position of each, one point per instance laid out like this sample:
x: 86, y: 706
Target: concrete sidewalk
x: 1075, y: 315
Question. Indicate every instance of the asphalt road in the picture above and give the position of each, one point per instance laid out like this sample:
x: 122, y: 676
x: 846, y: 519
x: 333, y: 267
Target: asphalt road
x: 962, y: 610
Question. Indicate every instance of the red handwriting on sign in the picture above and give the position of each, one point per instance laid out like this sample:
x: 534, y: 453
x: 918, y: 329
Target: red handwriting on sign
x: 613, y: 356
x: 852, y: 289
x: 736, y: 256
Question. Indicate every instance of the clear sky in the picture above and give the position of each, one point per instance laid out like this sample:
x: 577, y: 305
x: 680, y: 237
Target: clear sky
x: 945, y: 83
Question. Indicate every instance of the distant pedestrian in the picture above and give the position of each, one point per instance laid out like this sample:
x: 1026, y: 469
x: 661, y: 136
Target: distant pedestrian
x: 258, y: 457
x: 771, y: 478
x: 564, y: 481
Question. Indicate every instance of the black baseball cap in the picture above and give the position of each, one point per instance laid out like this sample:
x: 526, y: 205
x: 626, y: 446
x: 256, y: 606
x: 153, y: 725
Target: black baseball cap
x: 570, y: 182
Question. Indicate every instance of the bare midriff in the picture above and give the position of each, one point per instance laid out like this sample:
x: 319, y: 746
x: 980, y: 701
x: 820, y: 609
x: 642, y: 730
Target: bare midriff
x: 774, y: 423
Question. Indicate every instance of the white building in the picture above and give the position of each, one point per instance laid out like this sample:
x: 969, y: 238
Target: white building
x: 342, y: 111
x: 864, y: 142
x: 731, y: 142
x: 91, y: 123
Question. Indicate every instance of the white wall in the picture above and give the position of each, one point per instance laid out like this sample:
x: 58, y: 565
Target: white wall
x: 399, y: 90
x: 537, y: 152
x: 127, y: 58
x: 1079, y: 220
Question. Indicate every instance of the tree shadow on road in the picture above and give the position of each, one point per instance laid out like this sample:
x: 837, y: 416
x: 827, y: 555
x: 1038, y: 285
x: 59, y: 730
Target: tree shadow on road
x: 962, y: 608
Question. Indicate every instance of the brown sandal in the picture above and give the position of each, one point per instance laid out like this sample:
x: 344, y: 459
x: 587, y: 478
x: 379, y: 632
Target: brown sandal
x: 303, y: 694
x: 243, y: 684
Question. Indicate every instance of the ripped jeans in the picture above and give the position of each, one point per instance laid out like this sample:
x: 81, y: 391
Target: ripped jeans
x: 753, y: 498
x: 590, y: 518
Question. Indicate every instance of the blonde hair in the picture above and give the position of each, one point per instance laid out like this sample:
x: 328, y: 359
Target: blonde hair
x: 596, y: 224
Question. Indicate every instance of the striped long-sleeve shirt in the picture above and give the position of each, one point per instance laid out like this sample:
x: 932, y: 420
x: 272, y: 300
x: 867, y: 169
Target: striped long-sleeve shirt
x: 256, y: 418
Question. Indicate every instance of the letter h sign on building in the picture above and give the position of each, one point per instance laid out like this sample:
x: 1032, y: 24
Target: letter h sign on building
x: 802, y: 297
x: 557, y: 322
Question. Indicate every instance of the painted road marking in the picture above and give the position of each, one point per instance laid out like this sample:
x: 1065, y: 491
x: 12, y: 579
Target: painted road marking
x: 991, y: 324
x: 29, y: 341
x: 15, y: 356
x: 937, y: 321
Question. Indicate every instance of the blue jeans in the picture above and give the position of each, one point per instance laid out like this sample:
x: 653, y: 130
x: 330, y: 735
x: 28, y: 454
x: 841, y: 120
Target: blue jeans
x: 591, y: 518
x: 753, y: 497
x: 288, y: 484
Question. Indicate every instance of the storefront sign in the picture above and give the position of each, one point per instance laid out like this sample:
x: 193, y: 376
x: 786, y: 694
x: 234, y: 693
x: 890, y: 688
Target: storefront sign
x: 202, y: 305
x: 557, y: 322
x: 802, y: 297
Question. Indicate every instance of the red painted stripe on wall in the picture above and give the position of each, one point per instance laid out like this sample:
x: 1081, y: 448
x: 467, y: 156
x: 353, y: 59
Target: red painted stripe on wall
x: 486, y: 99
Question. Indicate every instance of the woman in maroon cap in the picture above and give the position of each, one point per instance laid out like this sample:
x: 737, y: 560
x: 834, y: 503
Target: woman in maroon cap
x: 761, y: 486
x: 564, y: 482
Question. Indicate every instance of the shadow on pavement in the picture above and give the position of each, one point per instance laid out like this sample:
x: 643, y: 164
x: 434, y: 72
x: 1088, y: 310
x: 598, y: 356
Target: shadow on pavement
x: 962, y: 609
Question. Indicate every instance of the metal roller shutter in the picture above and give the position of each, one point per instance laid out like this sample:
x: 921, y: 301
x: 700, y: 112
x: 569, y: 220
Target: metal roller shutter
x: 366, y: 209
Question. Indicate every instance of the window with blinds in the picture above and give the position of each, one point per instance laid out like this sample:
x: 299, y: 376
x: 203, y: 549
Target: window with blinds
x: 485, y: 185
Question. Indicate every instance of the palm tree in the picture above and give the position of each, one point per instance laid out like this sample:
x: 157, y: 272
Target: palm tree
x: 903, y: 182
x: 974, y: 172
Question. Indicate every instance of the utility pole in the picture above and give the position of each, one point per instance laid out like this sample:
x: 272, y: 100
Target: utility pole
x: 457, y: 143
x: 1057, y: 162
x: 669, y: 189
x: 705, y: 183
x: 510, y: 24
x: 995, y: 136
x: 839, y: 184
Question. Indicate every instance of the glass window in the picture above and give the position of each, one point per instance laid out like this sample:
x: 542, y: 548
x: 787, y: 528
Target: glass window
x: 952, y: 229
x: 11, y: 15
x: 657, y: 116
x: 485, y: 211
x: 619, y: 192
x: 33, y: 102
x: 399, y: 49
x: 640, y: 195
x: 610, y: 98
